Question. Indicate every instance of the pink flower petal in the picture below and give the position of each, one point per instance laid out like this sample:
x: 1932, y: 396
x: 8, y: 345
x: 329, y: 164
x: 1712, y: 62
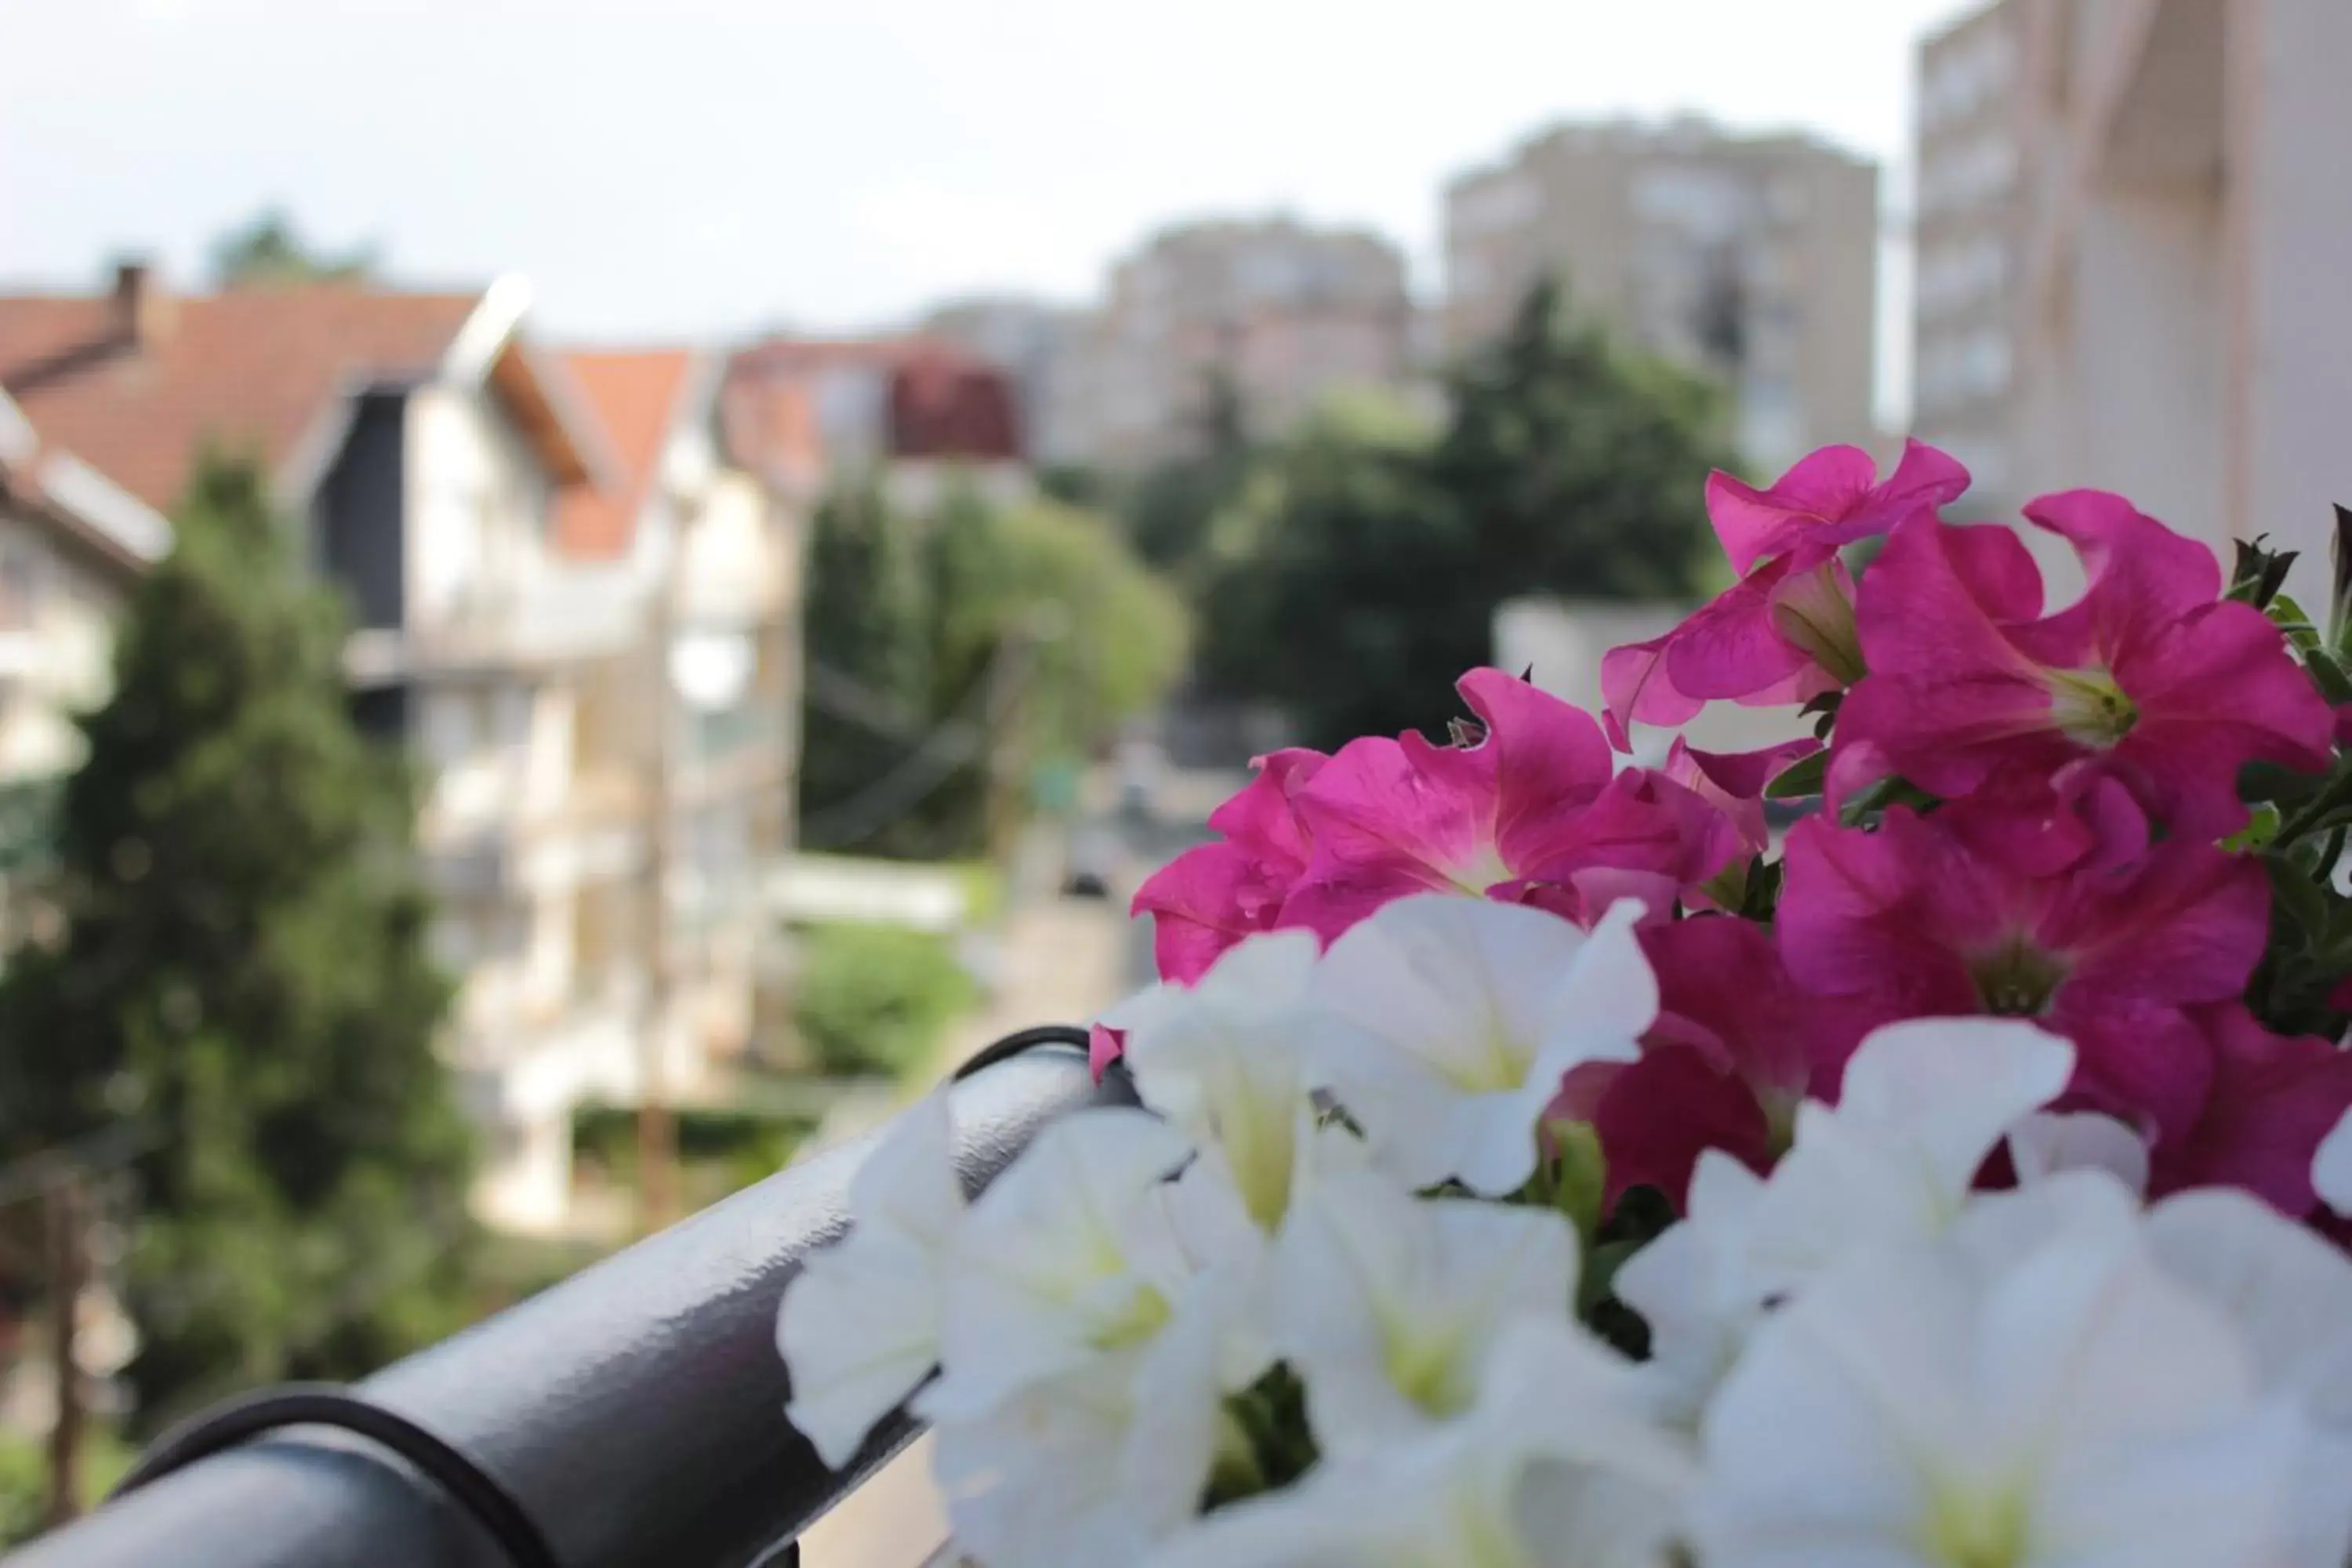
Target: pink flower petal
x: 1829, y: 498
x: 1261, y: 817
x: 1635, y: 689
x: 2274, y: 1098
x: 1202, y: 903
x: 1548, y: 756
x: 1104, y: 1046
x: 1729, y: 646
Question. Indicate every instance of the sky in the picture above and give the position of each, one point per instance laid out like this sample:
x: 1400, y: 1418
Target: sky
x: 669, y: 168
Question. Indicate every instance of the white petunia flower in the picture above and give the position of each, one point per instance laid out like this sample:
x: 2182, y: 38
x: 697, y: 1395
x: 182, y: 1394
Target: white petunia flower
x: 1921, y: 1105
x: 1081, y: 1247
x: 1693, y: 1287
x: 2049, y: 1141
x: 1556, y: 1465
x: 2331, y: 1167
x: 2289, y: 1292
x: 1224, y: 1061
x: 1387, y: 1305
x: 859, y: 1327
x: 1445, y: 1025
x: 2031, y: 1389
x: 1094, y: 1465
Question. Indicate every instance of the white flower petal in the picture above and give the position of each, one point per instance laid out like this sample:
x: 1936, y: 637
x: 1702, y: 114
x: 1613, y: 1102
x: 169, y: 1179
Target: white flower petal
x: 1694, y: 1290
x: 2331, y: 1167
x: 1555, y: 1466
x: 1445, y: 1026
x: 1387, y: 1305
x: 1094, y: 1465
x: 2049, y: 1141
x: 1224, y: 1062
x: 2290, y: 1294
x: 1951, y: 1087
x: 1075, y: 1249
x: 1936, y: 1401
x: 1609, y: 993
x: 859, y: 1327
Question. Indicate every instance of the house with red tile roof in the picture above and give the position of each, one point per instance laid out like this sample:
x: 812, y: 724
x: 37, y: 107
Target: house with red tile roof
x: 694, y: 517
x: 433, y: 459
x: 919, y: 413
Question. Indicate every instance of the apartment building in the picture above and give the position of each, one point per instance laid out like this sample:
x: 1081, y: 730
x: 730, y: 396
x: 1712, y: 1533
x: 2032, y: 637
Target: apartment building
x: 1753, y: 260
x: 1284, y: 314
x: 2164, y: 178
x: 1967, y: 238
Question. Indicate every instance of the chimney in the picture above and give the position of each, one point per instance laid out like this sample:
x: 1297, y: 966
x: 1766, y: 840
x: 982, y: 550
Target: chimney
x: 143, y: 305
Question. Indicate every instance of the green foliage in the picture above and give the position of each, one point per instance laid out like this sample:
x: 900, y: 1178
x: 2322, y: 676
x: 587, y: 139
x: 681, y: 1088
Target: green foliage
x: 1358, y: 569
x: 875, y: 999
x: 720, y: 1150
x: 267, y: 253
x: 974, y: 643
x: 25, y: 1478
x: 242, y: 969
x: 1171, y: 513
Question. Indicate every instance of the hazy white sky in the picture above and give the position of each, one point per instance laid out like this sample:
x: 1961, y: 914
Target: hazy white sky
x: 664, y: 167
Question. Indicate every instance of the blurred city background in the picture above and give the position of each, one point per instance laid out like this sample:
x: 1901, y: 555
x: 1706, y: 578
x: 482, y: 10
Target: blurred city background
x: 593, y: 596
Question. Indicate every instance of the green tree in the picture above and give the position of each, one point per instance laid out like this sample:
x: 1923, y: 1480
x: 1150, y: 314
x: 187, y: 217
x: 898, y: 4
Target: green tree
x: 1357, y: 572
x: 1169, y: 512
x: 241, y: 972
x: 267, y: 253
x: 1577, y: 467
x: 869, y: 649
x: 949, y: 652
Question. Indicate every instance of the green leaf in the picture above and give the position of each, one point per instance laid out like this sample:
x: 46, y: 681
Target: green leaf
x: 2257, y: 833
x: 1800, y: 778
x: 2328, y: 674
x: 2290, y: 618
x: 2297, y: 896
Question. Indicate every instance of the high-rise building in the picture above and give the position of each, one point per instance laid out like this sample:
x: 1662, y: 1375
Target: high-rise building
x: 1753, y: 260
x: 2178, y: 325
x: 1969, y: 227
x: 1282, y: 314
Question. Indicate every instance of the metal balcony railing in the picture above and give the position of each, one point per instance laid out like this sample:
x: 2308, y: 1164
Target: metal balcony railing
x: 629, y: 1417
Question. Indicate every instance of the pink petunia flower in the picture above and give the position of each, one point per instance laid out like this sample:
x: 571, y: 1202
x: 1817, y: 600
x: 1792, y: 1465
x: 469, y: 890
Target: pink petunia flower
x: 2151, y: 675
x: 1214, y: 895
x: 1733, y: 782
x: 1736, y: 1045
x: 1532, y: 813
x: 1914, y: 918
x: 1784, y: 632
x: 2274, y: 1098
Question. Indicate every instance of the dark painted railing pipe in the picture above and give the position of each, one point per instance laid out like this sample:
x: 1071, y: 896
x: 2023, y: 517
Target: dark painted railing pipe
x: 635, y: 1413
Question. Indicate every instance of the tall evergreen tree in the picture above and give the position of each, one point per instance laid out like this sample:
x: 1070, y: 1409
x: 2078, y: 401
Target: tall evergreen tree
x: 241, y: 975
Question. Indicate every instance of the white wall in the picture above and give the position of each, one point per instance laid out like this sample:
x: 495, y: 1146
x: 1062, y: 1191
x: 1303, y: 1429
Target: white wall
x: 2291, y: 127
x: 477, y: 507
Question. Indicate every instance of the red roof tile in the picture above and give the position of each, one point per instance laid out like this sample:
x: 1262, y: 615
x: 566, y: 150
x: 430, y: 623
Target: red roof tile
x: 952, y: 406
x: 255, y: 370
x: 634, y: 396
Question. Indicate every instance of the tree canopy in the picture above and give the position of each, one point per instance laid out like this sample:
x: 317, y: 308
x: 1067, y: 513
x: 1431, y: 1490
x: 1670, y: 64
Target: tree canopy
x: 268, y: 253
x: 240, y: 973
x: 945, y: 648
x: 1358, y: 569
